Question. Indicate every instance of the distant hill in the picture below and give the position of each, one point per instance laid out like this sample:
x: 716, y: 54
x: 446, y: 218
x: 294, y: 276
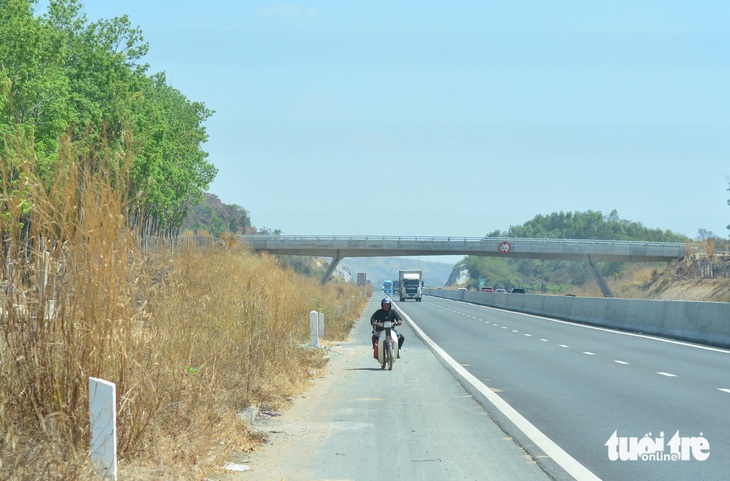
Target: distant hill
x: 378, y: 269
x: 214, y: 217
x: 559, y: 276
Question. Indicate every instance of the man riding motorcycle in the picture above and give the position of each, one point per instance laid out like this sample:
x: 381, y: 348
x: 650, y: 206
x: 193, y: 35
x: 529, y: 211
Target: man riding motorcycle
x: 386, y: 313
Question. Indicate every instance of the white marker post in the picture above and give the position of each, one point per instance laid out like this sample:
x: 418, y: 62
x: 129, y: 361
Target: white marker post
x: 313, y: 321
x: 103, y: 419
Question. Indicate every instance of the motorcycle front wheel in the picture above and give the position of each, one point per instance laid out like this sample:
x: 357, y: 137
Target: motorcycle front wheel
x: 389, y: 356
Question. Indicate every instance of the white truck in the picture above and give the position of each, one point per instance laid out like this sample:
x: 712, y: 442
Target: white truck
x: 411, y: 283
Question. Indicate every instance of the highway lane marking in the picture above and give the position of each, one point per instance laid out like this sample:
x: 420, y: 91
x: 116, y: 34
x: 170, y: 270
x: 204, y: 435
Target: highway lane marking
x: 573, y: 467
x: 604, y: 329
x: 666, y: 374
x: 544, y: 340
x: 661, y: 373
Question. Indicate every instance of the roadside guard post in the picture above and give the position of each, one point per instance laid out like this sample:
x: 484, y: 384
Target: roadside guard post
x: 313, y: 328
x: 103, y: 420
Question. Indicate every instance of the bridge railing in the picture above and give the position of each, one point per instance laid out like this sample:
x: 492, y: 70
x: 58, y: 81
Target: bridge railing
x: 448, y: 239
x: 476, y: 244
x: 436, y: 243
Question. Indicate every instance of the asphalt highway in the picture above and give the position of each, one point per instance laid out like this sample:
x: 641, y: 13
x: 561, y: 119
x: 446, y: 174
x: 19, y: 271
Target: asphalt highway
x: 359, y: 422
x: 485, y: 394
x: 591, y: 390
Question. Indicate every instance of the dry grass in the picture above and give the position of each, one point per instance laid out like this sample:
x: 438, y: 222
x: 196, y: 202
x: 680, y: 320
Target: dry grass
x: 189, y: 340
x: 661, y: 282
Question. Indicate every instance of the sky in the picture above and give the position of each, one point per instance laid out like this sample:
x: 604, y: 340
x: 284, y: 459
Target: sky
x: 436, y: 118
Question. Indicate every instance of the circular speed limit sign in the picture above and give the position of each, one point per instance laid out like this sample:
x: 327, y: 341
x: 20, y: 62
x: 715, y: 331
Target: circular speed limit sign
x: 504, y: 247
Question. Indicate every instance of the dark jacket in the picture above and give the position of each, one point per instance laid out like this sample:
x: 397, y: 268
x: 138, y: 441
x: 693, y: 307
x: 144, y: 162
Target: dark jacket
x: 382, y: 315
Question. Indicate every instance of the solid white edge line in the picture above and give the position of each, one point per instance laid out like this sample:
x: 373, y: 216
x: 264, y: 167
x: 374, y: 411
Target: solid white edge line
x: 563, y: 459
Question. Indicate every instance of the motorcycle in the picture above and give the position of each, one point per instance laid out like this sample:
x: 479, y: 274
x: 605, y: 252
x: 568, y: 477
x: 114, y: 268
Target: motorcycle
x: 386, y: 349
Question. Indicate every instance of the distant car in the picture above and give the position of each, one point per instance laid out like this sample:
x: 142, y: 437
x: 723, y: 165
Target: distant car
x: 462, y: 288
x: 517, y: 290
x: 487, y: 289
x: 500, y: 290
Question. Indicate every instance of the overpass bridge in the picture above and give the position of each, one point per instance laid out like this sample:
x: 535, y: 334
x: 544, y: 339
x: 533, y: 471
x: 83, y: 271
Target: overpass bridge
x: 586, y: 250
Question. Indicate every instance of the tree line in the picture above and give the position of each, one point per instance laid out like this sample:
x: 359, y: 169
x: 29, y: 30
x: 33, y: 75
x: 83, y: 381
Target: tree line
x: 587, y: 225
x: 546, y: 276
x: 62, y: 76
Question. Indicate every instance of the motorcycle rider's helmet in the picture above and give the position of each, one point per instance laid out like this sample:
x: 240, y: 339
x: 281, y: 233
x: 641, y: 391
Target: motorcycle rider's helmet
x: 384, y: 302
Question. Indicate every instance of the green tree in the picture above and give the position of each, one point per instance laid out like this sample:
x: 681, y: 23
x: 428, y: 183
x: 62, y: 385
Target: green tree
x: 172, y: 171
x: 557, y: 275
x: 35, y: 100
x: 60, y: 74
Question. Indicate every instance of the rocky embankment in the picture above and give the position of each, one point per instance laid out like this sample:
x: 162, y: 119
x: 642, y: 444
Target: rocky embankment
x: 685, y: 280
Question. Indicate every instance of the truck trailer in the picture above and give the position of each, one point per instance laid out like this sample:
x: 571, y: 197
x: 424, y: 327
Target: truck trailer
x: 411, y: 283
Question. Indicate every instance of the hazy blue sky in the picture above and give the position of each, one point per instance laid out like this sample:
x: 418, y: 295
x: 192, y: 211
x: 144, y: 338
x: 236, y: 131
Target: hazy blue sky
x: 454, y: 118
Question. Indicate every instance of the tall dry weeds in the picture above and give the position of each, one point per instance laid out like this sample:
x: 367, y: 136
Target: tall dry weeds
x: 188, y: 338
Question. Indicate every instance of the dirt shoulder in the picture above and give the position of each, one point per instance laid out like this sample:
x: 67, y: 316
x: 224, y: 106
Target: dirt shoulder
x: 298, y: 425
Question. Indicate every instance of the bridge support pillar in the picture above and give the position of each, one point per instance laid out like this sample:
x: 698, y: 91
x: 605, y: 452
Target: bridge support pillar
x: 331, y: 269
x: 598, y: 277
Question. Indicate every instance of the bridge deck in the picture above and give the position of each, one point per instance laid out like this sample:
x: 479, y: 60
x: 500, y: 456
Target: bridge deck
x: 554, y: 249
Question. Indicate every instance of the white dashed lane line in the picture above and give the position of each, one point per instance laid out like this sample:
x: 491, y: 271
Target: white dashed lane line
x: 617, y: 361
